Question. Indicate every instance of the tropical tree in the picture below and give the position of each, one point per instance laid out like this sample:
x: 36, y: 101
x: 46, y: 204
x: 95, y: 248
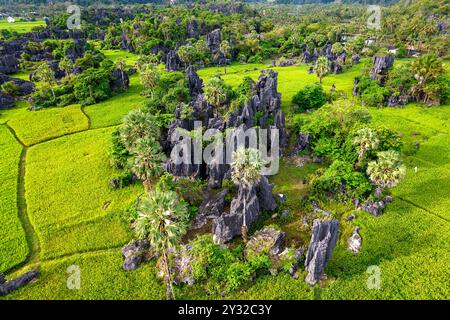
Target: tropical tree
x: 215, y: 92
x: 146, y: 160
x: 163, y: 220
x: 321, y: 68
x: 337, y: 48
x: 66, y: 65
x: 387, y: 171
x: 426, y: 69
x: 138, y: 125
x: 365, y: 140
x: 225, y: 50
x: 149, y: 79
x: 246, y: 171
x: 46, y: 75
x: 187, y: 54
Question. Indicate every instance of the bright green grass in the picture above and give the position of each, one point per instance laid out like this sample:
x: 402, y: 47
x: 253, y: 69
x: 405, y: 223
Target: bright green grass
x: 429, y: 187
x: 23, y: 74
x: 13, y: 245
x: 32, y: 127
x: 21, y: 26
x: 112, y: 111
x: 70, y: 202
x: 290, y: 79
x: 115, y: 55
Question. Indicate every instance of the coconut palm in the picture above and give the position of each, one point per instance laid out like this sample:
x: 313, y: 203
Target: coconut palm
x: 246, y: 171
x: 365, y: 139
x: 321, y: 68
x: 387, y: 171
x: 147, y: 160
x: 225, y: 49
x: 163, y: 220
x: 138, y: 124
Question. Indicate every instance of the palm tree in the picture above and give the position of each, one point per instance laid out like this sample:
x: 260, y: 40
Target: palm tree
x: 149, y: 78
x: 138, y: 124
x: 366, y: 139
x: 224, y: 48
x: 321, y: 67
x: 147, y: 160
x: 387, y: 171
x: 163, y: 220
x: 215, y: 92
x: 121, y: 65
x: 246, y: 171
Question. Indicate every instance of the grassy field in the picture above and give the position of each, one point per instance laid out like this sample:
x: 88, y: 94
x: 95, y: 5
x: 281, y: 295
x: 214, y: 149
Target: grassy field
x: 13, y: 245
x: 70, y: 201
x: 76, y: 213
x: 33, y: 127
x: 21, y: 26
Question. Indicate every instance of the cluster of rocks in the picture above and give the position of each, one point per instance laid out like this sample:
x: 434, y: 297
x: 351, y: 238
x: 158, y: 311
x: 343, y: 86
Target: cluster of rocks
x: 270, y: 241
x: 355, y: 241
x: 6, y: 101
x: 381, y: 65
x: 375, y: 208
x: 17, y: 283
x: 301, y: 144
x: 136, y: 253
x: 336, y: 60
x: 213, y: 40
x: 266, y: 102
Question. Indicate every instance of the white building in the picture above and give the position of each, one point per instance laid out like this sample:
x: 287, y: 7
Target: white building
x: 11, y: 19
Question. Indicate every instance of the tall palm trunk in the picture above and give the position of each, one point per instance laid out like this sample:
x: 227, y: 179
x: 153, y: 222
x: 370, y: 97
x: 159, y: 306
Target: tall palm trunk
x: 168, y: 278
x: 244, y: 218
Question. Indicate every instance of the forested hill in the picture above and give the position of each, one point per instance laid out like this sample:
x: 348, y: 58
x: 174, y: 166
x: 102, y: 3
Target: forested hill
x: 91, y: 2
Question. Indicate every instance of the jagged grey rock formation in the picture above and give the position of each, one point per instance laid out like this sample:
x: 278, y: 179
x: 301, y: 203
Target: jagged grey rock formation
x: 375, y: 208
x: 25, y: 87
x: 136, y: 253
x: 229, y: 225
x: 17, y: 283
x: 8, y: 64
x: 301, y: 143
x: 121, y: 80
x: 355, y: 241
x: 213, y: 40
x: 265, y: 195
x: 6, y: 101
x: 381, y: 64
x: 194, y: 81
x: 173, y: 61
x: 211, y: 208
x: 323, y: 239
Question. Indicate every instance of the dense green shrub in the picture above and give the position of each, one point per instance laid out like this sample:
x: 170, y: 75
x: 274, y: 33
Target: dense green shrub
x: 10, y: 88
x: 310, y: 97
x: 93, y: 86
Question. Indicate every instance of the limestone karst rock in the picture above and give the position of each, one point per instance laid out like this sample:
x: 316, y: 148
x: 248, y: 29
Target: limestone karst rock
x: 8, y: 64
x: 381, y: 64
x: 6, y: 101
x: 25, y: 87
x: 323, y: 240
x: 19, y: 282
x: 211, y: 208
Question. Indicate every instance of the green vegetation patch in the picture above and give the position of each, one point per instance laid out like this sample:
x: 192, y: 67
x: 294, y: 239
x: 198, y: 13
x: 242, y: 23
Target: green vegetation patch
x: 70, y: 201
x: 13, y: 245
x: 20, y: 26
x: 112, y: 111
x: 33, y: 127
